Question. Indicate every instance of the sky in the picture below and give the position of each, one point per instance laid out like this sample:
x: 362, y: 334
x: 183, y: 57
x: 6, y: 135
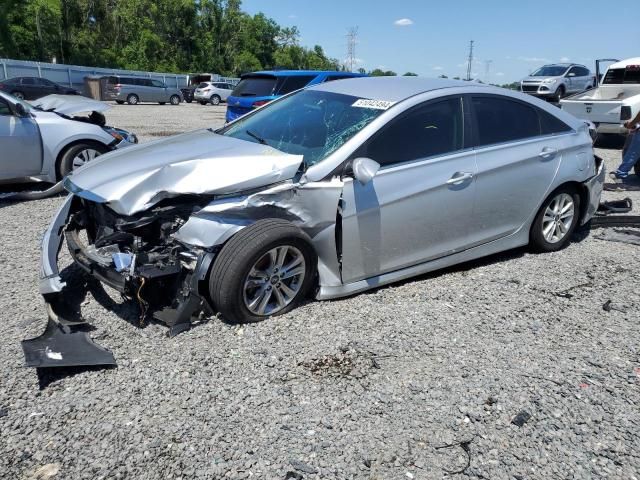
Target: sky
x: 511, y: 39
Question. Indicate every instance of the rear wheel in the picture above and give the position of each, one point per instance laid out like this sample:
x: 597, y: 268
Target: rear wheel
x: 19, y: 95
x: 556, y: 220
x: 560, y: 93
x: 175, y: 99
x: 77, y: 155
x: 215, y: 100
x: 132, y: 99
x: 264, y: 270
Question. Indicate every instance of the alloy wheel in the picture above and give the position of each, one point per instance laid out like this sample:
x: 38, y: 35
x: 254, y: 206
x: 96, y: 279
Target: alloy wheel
x: 19, y: 95
x: 558, y: 218
x: 274, y: 280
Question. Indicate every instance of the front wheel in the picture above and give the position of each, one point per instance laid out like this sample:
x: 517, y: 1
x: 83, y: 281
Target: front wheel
x: 18, y: 95
x: 264, y: 270
x: 175, y: 99
x: 556, y: 220
x: 559, y: 95
x: 77, y: 155
x: 215, y: 100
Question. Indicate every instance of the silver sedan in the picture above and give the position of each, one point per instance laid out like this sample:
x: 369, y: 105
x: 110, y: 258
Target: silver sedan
x: 45, y: 140
x: 328, y: 191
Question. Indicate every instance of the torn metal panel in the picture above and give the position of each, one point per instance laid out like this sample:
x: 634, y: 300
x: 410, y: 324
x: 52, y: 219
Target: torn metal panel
x: 50, y: 280
x: 311, y: 206
x: 199, y: 162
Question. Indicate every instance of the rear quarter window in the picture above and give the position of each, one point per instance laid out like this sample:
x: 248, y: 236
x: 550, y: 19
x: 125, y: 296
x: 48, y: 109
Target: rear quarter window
x: 552, y: 125
x: 292, y: 83
x: 501, y: 120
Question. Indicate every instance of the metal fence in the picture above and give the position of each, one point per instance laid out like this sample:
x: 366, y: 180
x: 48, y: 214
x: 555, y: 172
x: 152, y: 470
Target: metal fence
x: 73, y: 75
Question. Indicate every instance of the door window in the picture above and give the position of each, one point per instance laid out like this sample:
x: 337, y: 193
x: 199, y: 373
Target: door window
x: 552, y: 125
x: 501, y: 120
x: 575, y: 71
x: 28, y: 81
x: 425, y: 131
x: 4, y: 108
x: 157, y: 83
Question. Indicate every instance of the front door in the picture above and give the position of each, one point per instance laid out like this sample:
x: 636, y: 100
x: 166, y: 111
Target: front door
x: 20, y: 145
x: 418, y: 206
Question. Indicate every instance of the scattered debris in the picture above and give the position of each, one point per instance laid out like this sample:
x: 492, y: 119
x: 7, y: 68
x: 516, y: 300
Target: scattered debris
x: 302, y: 467
x: 557, y: 382
x: 566, y: 293
x: 293, y: 476
x: 349, y: 362
x: 45, y: 472
x: 4, y: 411
x: 464, y: 445
x: 620, y: 236
x: 615, y: 206
x: 521, y: 418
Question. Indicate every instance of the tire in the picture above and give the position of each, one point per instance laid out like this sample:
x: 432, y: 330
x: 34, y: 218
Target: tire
x: 550, y: 214
x: 174, y: 100
x: 72, y: 156
x: 120, y: 102
x: 636, y: 168
x: 132, y: 99
x: 188, y: 101
x: 248, y: 250
x: 215, y: 99
x: 202, y: 103
x: 19, y: 95
x: 560, y: 93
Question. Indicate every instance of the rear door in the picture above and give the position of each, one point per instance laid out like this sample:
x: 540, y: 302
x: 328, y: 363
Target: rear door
x: 418, y: 207
x: 20, y: 144
x: 572, y: 80
x: 159, y: 91
x: 517, y: 161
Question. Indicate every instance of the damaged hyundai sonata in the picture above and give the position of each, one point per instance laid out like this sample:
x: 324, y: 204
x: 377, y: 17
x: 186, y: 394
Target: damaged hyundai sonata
x: 331, y: 190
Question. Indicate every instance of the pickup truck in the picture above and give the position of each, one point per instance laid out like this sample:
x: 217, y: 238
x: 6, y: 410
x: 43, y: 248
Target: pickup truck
x: 614, y: 101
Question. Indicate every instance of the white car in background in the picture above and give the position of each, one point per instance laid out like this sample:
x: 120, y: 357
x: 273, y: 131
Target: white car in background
x: 45, y: 140
x: 557, y: 81
x: 212, y: 92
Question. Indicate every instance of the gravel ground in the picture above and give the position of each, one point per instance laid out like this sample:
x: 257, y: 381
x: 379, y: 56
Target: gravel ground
x: 504, y: 368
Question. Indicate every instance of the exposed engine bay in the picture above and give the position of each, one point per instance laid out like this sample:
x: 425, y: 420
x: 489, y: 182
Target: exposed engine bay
x: 138, y: 256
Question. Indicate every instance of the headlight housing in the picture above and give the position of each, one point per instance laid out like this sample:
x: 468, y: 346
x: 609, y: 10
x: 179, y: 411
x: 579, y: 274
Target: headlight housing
x: 550, y: 80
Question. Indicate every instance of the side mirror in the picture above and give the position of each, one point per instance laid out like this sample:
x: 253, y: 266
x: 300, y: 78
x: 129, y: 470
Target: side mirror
x: 21, y: 111
x: 571, y: 74
x: 364, y: 169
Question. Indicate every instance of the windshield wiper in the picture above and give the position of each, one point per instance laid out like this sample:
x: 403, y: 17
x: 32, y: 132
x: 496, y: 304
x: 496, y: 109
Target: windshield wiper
x: 257, y: 137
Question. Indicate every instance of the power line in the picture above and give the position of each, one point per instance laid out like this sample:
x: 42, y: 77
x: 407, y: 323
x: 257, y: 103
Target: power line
x: 352, y: 39
x: 470, y: 60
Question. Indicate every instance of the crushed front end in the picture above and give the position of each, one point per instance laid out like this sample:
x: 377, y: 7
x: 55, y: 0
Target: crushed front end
x: 136, y: 255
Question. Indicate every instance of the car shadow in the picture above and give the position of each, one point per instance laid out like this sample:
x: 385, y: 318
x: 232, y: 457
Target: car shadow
x: 610, y: 142
x: 49, y: 375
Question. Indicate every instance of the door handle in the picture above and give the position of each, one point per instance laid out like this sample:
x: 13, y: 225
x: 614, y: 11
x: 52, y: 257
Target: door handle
x: 547, y: 153
x: 459, y: 177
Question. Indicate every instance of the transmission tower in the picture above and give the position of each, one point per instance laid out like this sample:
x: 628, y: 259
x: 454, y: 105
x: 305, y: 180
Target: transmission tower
x: 469, y: 65
x: 352, y: 39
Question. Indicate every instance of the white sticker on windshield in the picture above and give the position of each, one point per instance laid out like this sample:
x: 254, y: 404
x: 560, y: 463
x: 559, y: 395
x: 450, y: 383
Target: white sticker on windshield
x: 377, y: 104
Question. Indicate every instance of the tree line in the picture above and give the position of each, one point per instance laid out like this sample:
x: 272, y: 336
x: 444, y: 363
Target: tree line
x: 154, y: 35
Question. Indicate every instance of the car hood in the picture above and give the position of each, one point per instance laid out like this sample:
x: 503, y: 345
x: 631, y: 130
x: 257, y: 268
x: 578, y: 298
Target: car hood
x: 69, y: 104
x: 539, y: 79
x: 198, y: 162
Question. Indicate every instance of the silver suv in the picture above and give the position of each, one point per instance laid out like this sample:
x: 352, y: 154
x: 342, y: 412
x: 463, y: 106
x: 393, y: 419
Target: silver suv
x: 558, y: 80
x: 135, y: 90
x: 212, y: 92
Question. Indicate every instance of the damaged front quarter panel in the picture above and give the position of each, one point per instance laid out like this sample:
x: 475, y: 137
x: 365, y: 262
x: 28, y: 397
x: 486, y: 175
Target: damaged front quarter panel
x: 311, y: 206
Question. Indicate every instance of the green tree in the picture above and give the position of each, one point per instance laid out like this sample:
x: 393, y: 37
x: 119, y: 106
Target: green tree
x: 410, y: 74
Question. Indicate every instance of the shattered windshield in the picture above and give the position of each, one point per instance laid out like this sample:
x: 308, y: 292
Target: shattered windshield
x: 309, y: 123
x: 549, y: 71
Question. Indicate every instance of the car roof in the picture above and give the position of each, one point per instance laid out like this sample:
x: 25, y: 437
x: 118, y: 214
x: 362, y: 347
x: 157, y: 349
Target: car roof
x: 626, y: 63
x: 392, y: 89
x: 295, y: 73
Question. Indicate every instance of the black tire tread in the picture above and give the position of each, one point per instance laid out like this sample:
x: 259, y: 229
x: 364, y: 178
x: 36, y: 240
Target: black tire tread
x: 230, y: 262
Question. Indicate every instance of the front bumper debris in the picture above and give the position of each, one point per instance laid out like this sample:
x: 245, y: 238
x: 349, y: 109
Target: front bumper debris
x: 64, y: 344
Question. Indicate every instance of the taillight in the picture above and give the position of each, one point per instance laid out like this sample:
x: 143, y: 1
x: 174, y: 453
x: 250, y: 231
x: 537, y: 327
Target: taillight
x: 625, y: 112
x: 259, y: 103
x: 117, y: 87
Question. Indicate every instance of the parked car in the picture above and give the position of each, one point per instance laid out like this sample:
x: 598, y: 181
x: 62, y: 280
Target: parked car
x: 49, y: 139
x: 335, y: 189
x: 32, y: 88
x: 616, y: 100
x: 135, y: 90
x: 556, y: 81
x: 259, y: 88
x: 212, y: 92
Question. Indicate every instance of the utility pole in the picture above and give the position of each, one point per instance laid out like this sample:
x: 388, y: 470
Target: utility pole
x: 487, y: 71
x: 352, y: 38
x: 469, y: 65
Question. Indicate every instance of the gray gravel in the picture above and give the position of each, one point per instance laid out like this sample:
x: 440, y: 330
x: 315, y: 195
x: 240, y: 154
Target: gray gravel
x: 417, y: 380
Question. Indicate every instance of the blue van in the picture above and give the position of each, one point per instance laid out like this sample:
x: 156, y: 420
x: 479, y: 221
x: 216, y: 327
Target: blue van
x: 257, y: 88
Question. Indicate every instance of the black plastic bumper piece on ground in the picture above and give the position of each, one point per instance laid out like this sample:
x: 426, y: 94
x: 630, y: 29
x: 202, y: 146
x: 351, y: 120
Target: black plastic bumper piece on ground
x: 64, y: 346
